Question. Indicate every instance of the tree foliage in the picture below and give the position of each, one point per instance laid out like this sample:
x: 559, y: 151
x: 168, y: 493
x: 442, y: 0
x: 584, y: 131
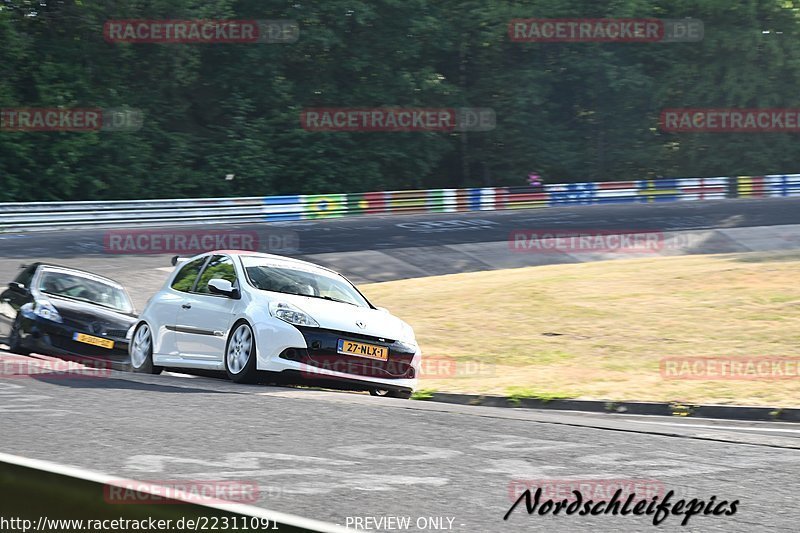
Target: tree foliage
x: 571, y: 111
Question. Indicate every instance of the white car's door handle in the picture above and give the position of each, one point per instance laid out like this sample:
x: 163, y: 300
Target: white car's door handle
x: 187, y: 306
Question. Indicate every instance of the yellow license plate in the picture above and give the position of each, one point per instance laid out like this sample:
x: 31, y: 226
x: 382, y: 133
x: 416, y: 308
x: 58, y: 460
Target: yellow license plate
x: 94, y: 341
x: 370, y: 351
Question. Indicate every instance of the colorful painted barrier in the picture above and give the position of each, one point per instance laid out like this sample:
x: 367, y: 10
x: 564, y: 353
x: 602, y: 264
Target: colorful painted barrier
x: 765, y: 186
x: 50, y: 215
x: 498, y: 198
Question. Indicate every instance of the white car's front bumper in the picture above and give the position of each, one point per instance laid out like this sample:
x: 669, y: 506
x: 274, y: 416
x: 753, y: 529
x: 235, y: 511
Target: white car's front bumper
x: 311, y: 352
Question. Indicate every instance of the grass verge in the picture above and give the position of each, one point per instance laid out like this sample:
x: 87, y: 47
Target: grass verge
x: 599, y: 330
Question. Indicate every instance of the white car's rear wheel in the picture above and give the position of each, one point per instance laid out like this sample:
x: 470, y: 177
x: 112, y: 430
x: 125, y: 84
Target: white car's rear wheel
x: 240, y: 354
x: 142, y: 351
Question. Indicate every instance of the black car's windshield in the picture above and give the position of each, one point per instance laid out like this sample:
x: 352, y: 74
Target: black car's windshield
x: 303, y: 280
x: 76, y: 287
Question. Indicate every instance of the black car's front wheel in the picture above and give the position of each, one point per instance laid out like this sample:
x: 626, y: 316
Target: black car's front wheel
x: 15, y: 340
x: 142, y: 351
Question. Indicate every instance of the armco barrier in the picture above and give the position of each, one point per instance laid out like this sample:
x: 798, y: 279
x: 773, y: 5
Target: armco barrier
x: 43, y: 493
x: 49, y: 215
x: 765, y: 186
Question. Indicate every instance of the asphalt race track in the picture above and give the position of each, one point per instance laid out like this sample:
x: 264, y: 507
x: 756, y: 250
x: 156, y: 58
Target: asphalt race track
x: 332, y: 455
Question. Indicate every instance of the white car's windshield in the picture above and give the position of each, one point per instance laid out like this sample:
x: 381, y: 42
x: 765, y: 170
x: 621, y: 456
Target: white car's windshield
x: 76, y: 287
x: 304, y: 280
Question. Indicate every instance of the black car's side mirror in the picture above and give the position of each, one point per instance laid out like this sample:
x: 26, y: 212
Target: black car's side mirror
x: 223, y: 287
x: 17, y: 287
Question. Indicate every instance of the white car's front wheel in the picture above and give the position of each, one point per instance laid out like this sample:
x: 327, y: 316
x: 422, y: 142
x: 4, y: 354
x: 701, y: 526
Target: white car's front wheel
x: 142, y: 351
x: 240, y: 354
x: 405, y: 395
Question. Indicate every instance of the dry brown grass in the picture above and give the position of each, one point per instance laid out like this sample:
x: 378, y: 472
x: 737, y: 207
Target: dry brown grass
x: 598, y: 330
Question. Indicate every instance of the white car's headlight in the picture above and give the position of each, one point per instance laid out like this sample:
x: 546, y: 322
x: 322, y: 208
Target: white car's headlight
x: 47, y: 311
x: 291, y: 314
x: 408, y: 334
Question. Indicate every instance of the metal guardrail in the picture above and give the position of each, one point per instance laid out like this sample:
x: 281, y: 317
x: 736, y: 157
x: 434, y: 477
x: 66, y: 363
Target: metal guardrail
x: 49, y: 495
x: 48, y: 215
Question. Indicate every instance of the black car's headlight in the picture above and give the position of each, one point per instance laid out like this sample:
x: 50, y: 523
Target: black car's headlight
x: 46, y: 310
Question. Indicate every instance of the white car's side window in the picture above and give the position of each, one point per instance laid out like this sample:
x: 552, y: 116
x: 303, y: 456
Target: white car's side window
x: 184, y: 280
x: 219, y: 267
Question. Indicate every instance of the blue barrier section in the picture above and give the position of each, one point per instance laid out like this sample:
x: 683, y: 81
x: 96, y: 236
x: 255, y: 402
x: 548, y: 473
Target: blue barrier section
x: 572, y: 193
x: 283, y: 208
x: 783, y: 185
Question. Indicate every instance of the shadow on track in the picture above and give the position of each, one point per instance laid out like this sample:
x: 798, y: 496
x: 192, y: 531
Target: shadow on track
x: 79, y: 382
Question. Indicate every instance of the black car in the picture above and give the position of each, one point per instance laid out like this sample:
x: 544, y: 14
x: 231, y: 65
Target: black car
x: 56, y: 310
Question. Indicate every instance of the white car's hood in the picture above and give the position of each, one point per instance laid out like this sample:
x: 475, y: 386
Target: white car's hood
x: 345, y: 317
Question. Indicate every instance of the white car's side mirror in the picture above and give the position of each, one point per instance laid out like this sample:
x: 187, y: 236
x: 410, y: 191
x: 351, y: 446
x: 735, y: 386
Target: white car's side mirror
x: 223, y: 287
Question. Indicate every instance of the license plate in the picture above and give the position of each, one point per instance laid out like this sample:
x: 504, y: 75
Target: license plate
x: 359, y: 349
x: 94, y: 341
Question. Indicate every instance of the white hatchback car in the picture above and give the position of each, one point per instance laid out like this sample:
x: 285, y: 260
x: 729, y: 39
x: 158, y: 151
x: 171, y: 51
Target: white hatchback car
x: 245, y: 312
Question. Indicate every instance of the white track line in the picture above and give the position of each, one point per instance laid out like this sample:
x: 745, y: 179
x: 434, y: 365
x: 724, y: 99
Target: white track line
x: 705, y: 426
x: 249, y: 510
